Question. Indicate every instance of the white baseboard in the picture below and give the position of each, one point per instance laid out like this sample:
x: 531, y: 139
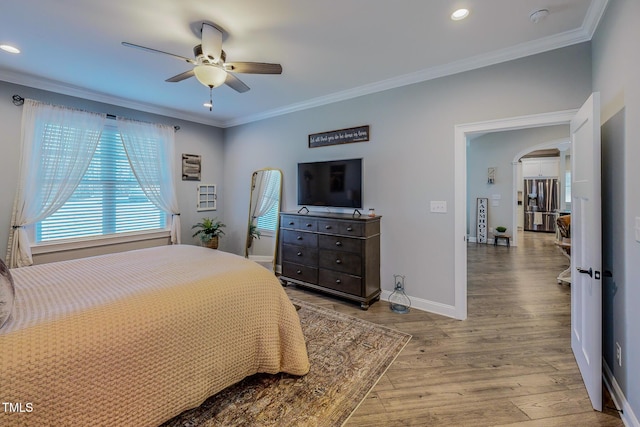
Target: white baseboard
x: 425, y: 305
x: 261, y: 258
x: 472, y: 239
x: 626, y: 413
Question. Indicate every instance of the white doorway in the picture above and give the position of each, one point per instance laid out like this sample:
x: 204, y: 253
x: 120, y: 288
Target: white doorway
x: 586, y: 293
x: 462, y: 133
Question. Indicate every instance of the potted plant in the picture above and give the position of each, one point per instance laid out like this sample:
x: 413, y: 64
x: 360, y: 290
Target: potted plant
x: 254, y: 233
x: 208, y: 231
x: 500, y: 229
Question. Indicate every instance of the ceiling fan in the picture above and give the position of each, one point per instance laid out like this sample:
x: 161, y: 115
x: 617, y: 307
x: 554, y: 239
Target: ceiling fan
x: 210, y: 66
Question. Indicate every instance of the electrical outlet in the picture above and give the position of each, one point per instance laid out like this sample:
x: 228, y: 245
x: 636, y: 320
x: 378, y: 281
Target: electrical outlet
x: 618, y: 354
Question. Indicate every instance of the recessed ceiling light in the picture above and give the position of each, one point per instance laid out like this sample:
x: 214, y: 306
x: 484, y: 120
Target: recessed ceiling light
x: 460, y: 14
x: 10, y: 49
x: 538, y: 15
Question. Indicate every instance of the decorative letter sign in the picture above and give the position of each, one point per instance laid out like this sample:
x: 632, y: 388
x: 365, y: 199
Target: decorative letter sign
x: 482, y: 220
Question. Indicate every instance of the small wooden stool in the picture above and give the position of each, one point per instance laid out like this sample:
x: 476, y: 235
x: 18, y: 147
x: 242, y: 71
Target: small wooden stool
x: 506, y: 237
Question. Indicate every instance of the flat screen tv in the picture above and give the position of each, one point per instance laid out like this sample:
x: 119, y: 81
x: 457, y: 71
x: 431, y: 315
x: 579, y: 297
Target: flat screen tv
x: 336, y: 183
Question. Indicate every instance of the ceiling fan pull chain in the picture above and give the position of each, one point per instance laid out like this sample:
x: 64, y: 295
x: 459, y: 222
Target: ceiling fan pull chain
x: 210, y: 98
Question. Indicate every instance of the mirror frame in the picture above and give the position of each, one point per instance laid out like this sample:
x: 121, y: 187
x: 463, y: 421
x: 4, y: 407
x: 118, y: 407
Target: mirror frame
x: 277, y: 230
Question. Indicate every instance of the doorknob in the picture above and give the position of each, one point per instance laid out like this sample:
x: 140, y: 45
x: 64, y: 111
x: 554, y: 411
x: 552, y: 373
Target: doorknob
x: 582, y: 270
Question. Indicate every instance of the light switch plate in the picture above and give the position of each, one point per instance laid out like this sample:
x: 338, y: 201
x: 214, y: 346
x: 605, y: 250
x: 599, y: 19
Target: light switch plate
x: 438, y: 206
x: 638, y: 229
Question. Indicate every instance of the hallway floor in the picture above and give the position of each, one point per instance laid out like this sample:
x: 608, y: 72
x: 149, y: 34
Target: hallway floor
x: 510, y: 363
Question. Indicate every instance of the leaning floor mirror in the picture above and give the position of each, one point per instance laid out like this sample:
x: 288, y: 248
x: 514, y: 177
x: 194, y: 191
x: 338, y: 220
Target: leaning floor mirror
x: 264, y: 217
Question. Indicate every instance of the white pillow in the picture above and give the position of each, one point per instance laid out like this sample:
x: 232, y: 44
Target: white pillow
x: 7, y: 293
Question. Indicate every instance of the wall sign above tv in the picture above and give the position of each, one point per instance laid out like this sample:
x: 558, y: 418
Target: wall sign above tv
x: 340, y: 136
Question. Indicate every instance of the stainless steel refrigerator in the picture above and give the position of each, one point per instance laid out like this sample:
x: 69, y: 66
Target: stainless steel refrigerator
x: 541, y: 202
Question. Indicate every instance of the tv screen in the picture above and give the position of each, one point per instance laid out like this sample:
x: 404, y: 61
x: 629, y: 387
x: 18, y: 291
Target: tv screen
x: 336, y: 183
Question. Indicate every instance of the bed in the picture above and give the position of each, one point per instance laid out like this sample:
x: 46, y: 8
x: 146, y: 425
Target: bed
x: 136, y: 338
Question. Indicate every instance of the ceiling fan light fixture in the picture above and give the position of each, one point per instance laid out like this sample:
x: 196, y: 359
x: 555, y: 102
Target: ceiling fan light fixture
x: 460, y: 14
x: 210, y: 75
x: 9, y: 48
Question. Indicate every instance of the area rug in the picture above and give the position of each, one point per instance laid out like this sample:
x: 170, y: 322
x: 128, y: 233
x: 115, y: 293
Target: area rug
x: 348, y: 356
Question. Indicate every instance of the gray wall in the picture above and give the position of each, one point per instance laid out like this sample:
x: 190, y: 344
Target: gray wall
x: 192, y: 138
x: 409, y: 160
x: 499, y: 149
x: 616, y: 67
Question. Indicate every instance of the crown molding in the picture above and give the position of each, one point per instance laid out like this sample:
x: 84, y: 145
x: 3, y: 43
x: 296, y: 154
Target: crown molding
x: 546, y: 44
x: 78, y: 92
x: 584, y: 33
x: 593, y: 17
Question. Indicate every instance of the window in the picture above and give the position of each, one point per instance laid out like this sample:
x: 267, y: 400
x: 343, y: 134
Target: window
x: 269, y: 198
x: 107, y: 201
x: 567, y: 187
x: 269, y: 221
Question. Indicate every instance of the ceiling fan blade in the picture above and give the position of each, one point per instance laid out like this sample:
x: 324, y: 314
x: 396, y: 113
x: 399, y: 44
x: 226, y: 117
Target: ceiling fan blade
x: 235, y: 83
x: 181, y: 76
x: 211, y: 42
x: 253, y: 67
x: 148, y: 49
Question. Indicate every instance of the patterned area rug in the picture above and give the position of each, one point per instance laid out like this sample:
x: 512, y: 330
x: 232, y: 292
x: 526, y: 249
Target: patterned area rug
x: 348, y: 356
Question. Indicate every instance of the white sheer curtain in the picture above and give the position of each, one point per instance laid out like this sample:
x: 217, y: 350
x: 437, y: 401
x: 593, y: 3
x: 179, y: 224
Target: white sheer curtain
x: 150, y: 149
x: 57, y: 146
x: 268, y: 190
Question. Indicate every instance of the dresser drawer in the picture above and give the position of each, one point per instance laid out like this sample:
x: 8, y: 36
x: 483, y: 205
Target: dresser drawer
x: 305, y: 255
x: 341, y: 227
x: 300, y: 223
x: 339, y: 243
x: 300, y: 272
x: 340, y: 282
x: 344, y: 262
x: 299, y: 238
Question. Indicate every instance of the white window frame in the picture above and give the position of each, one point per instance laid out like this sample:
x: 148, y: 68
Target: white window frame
x: 84, y: 242
x: 207, y: 198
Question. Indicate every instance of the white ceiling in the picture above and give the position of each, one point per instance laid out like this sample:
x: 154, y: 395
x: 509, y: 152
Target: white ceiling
x: 329, y: 50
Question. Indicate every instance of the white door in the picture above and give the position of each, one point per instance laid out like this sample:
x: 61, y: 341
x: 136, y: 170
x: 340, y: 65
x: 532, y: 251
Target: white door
x: 586, y: 249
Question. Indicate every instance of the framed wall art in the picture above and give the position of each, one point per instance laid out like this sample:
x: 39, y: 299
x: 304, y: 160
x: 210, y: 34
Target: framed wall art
x: 191, y: 167
x: 207, y: 197
x: 340, y: 136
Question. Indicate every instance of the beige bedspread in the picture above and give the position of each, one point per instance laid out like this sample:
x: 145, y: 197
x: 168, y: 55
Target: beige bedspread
x: 135, y: 338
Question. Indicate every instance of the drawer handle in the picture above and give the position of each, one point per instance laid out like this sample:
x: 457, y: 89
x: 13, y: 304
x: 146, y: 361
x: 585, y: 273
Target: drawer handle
x: 327, y: 227
x: 309, y: 225
x: 338, y: 261
x: 292, y: 223
x: 338, y: 243
x: 299, y: 238
x: 298, y: 272
x: 299, y: 254
x: 338, y: 281
x: 349, y: 229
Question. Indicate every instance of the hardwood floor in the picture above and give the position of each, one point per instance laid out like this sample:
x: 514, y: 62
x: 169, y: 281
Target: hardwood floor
x: 510, y: 363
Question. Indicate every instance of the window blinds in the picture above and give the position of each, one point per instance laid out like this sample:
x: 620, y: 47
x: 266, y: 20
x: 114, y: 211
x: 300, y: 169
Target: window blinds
x: 108, y: 200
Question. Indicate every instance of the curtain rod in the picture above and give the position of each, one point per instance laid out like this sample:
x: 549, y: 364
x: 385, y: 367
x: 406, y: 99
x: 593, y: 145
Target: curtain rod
x: 19, y: 100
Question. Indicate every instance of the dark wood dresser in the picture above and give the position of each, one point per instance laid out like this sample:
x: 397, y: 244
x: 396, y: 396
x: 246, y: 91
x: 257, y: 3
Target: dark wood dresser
x: 334, y: 253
